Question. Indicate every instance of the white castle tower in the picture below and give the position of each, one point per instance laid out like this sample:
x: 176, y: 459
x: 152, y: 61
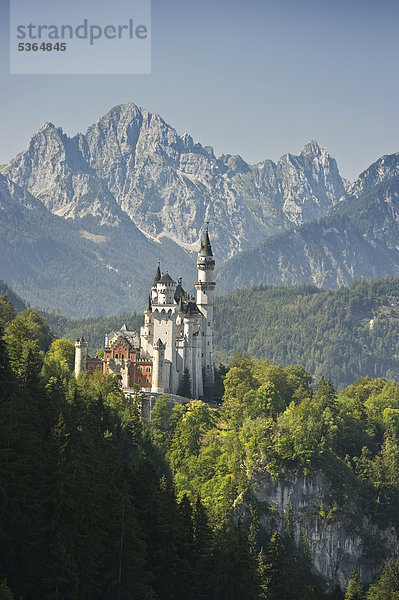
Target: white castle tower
x: 158, y: 367
x: 80, y: 355
x: 205, y: 287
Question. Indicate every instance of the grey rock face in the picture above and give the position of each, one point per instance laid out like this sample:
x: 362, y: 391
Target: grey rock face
x: 336, y: 545
x: 133, y: 165
x: 357, y: 239
x: 385, y: 168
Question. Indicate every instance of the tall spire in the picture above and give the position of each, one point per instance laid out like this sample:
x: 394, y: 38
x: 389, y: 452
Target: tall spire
x: 206, y: 249
x: 157, y: 274
x: 149, y: 304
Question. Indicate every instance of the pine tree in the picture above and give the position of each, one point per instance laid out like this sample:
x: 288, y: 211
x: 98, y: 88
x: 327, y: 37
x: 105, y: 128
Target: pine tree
x: 254, y: 529
x: 5, y: 592
x: 387, y: 585
x: 354, y: 590
x: 203, y: 554
x: 235, y: 568
x: 185, y: 384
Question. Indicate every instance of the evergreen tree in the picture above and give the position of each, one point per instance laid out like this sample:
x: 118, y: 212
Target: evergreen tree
x: 234, y: 575
x: 185, y: 384
x: 274, y: 569
x: 354, y: 590
x: 203, y: 554
x: 387, y: 585
x: 7, y: 311
x: 5, y: 592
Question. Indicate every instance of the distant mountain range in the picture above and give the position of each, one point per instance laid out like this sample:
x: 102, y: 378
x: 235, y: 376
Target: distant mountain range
x: 358, y: 238
x: 84, y: 220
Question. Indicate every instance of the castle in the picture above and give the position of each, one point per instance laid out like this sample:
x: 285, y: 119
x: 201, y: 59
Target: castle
x: 176, y: 337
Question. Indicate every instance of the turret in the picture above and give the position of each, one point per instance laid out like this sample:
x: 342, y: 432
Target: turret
x: 158, y: 385
x: 154, y: 283
x: 205, y: 287
x: 147, y: 329
x: 166, y: 289
x: 80, y: 355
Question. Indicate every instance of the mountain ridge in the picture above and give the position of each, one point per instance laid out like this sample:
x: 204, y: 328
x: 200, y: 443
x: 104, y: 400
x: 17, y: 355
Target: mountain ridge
x: 356, y: 239
x: 132, y: 191
x: 132, y: 161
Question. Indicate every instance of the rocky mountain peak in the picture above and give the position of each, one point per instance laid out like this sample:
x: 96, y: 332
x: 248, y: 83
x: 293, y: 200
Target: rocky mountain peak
x: 132, y: 163
x: 47, y: 125
x: 382, y: 170
x: 312, y: 148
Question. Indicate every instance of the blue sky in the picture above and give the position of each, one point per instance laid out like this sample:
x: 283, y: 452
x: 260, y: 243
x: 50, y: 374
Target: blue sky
x: 258, y: 78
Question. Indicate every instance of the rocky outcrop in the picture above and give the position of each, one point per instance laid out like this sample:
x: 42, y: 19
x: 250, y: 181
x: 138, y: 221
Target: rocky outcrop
x: 339, y: 538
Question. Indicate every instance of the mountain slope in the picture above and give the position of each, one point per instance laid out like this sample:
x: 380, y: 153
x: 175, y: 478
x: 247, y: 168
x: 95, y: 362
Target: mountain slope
x: 132, y: 164
x: 56, y: 263
x: 357, y: 239
x: 15, y: 300
x: 343, y: 334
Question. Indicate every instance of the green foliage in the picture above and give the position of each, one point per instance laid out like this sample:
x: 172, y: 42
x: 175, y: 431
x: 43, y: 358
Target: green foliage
x: 5, y: 592
x: 387, y: 585
x: 59, y: 361
x: 7, y: 310
x: 195, y: 422
x: 161, y: 427
x: 97, y: 504
x: 342, y: 334
x: 354, y: 590
x: 185, y: 384
x: 220, y: 372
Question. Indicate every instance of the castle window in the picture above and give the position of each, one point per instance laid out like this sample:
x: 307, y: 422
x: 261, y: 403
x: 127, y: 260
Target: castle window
x: 139, y: 380
x: 208, y: 343
x: 147, y: 369
x: 148, y: 381
x: 203, y: 333
x: 139, y: 369
x: 116, y: 355
x: 207, y: 366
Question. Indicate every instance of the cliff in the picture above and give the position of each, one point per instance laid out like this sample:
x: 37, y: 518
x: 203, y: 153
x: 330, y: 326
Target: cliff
x: 339, y: 538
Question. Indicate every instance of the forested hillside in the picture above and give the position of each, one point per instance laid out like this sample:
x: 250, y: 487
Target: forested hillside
x: 96, y: 504
x: 343, y: 334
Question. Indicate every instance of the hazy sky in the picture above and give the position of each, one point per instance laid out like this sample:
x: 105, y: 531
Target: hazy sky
x: 256, y: 77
